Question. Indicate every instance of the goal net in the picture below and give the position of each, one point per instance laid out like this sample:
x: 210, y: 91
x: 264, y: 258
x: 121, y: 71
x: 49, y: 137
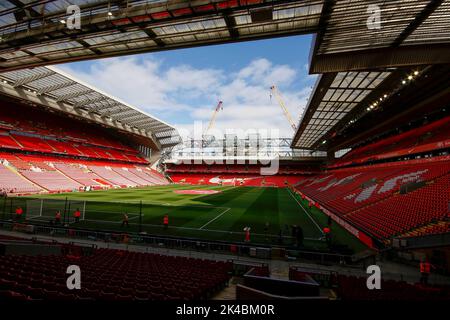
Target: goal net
x: 46, y: 209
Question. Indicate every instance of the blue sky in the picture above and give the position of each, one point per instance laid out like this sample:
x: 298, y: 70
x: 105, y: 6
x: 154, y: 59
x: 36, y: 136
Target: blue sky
x: 183, y: 86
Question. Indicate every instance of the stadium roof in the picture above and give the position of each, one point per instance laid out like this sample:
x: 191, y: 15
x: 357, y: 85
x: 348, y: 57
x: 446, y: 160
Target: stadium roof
x: 35, y: 33
x: 63, y: 89
x: 340, y: 100
x: 358, y: 60
x: 360, y: 63
x: 411, y: 32
x: 418, y: 94
x: 334, y: 97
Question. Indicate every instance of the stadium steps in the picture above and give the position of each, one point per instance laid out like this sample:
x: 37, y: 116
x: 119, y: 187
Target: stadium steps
x: 229, y: 292
x: 330, y: 293
x: 48, y: 144
x: 103, y: 182
x: 12, y: 169
x: 69, y: 178
x: 130, y: 176
x: 431, y: 228
x: 169, y: 178
x: 16, y: 141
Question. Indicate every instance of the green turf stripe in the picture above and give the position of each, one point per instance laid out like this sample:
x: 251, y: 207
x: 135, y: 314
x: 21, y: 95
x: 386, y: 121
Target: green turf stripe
x: 250, y: 206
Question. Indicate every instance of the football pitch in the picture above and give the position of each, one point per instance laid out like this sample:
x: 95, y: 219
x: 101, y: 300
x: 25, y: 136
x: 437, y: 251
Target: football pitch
x: 197, y: 212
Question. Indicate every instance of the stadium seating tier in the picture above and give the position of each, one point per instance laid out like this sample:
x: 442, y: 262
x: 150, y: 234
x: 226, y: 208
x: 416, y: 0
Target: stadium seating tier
x: 54, y: 134
x: 385, y: 200
x: 111, y: 275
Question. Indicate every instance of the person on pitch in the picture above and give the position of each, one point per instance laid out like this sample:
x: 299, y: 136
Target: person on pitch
x: 327, y: 233
x: 166, y: 221
x: 125, y: 220
x: 247, y: 234
x: 19, y: 213
x: 58, y: 217
x: 77, y: 215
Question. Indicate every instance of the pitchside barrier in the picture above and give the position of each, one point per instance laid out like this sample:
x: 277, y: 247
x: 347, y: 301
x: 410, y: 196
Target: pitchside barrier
x: 142, y: 217
x: 42, y: 210
x: 364, y: 238
x: 93, y: 214
x: 46, y: 209
x: 37, y: 209
x: 188, y: 247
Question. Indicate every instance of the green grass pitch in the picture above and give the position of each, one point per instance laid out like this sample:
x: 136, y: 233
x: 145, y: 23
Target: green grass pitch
x: 219, y: 216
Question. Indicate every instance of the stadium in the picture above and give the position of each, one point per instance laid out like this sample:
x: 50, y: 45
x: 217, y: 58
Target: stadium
x: 93, y: 181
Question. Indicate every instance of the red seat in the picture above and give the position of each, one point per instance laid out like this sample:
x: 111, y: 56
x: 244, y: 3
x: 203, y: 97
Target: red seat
x: 140, y: 276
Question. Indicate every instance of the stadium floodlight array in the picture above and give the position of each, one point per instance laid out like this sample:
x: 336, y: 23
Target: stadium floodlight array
x: 45, y: 210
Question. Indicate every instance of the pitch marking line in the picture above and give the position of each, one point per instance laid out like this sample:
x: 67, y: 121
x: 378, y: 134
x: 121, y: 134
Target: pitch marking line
x: 197, y: 229
x: 134, y: 217
x: 112, y: 212
x: 157, y: 203
x: 35, y: 217
x: 301, y: 206
x: 217, y: 217
x: 212, y: 188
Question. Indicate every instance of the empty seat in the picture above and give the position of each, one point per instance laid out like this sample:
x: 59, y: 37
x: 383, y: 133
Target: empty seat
x: 171, y: 277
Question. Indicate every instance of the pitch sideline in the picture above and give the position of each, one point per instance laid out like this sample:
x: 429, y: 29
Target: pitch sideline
x: 307, y: 213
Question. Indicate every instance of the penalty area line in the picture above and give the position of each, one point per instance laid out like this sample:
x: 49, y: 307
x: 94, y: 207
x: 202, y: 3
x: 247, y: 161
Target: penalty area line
x: 214, y: 219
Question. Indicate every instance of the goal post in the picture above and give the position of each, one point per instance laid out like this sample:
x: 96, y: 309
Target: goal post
x: 46, y: 209
x: 71, y: 206
x: 34, y: 208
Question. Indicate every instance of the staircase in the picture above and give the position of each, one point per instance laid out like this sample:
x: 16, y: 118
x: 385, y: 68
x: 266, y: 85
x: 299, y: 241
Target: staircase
x: 12, y: 169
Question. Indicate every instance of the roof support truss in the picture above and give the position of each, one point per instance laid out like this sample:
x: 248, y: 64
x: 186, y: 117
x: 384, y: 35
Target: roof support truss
x: 376, y: 59
x: 86, y: 102
x: 72, y: 95
x: 55, y: 87
x: 23, y: 81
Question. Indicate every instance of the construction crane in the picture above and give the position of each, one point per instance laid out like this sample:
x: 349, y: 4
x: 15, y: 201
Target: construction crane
x: 214, y: 115
x: 274, y: 92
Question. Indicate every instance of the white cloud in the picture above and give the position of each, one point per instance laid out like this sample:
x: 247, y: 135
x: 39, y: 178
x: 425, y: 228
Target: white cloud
x: 255, y: 70
x: 182, y: 94
x: 187, y: 78
x: 143, y: 84
x: 262, y: 71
